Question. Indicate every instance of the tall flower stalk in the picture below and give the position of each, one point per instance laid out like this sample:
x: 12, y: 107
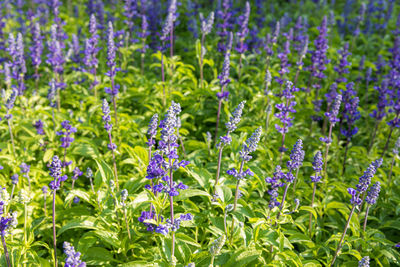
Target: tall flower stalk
x: 316, y: 178
x: 143, y: 35
x: 333, y: 119
x: 285, y: 109
x: 113, y: 90
x: 226, y: 140
x: 161, y: 170
x: 295, y: 162
x: 351, y: 115
x: 244, y: 30
x: 206, y: 27
x: 36, y: 52
x: 9, y: 105
x: 356, y: 201
x: 66, y: 139
x: 91, y: 50
x: 5, y: 224
x: 395, y: 154
x: 56, y: 173
x: 249, y: 146
x: 56, y: 59
x: 111, y: 146
x: 124, y: 197
x: 302, y: 55
x: 224, y: 81
x: 371, y: 199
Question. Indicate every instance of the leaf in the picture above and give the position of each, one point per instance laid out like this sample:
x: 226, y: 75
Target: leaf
x: 309, y: 209
x: 82, y: 223
x: 188, y: 240
x: 243, y: 257
x: 183, y: 194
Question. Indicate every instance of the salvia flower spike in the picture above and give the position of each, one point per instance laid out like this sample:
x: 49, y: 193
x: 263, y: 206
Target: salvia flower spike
x: 355, y: 200
x: 226, y: 140
x: 108, y: 127
x: 249, y: 146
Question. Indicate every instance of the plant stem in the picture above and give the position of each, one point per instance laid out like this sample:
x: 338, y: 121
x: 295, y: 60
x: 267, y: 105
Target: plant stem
x: 283, y: 201
x: 339, y: 247
x: 201, y: 60
x: 127, y: 225
x: 218, y: 168
x: 390, y: 172
x: 312, y: 206
x: 91, y: 185
x: 54, y: 228
x: 171, y: 204
x: 240, y: 60
x: 345, y: 156
x: 295, y: 182
x: 5, y: 251
x: 171, y: 47
x: 114, y: 162
x: 12, y: 192
x: 366, y: 218
x: 11, y: 134
x: 373, y: 136
x: 45, y: 206
x: 387, y: 141
x: 163, y: 78
x: 235, y: 201
x: 218, y: 115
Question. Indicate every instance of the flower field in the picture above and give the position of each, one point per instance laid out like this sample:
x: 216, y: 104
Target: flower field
x: 199, y: 133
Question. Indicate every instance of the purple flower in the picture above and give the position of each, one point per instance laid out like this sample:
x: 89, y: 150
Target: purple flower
x: 250, y: 145
x: 91, y: 49
x: 365, y: 179
x: 351, y: 115
x: 11, y: 100
x: 37, y: 45
x: 364, y: 262
x: 39, y: 127
x: 206, y: 24
x: 55, y: 172
x: 77, y: 172
x: 106, y: 116
x: 224, y: 25
x: 317, y: 167
x: 224, y: 75
x: 152, y: 131
x: 275, y: 183
x: 373, y: 193
x: 73, y: 257
x: 286, y: 108
x: 147, y: 215
x: 14, y: 179
x: 318, y: 56
x: 296, y: 156
x: 342, y: 67
x: 355, y: 197
x: 5, y: 223
x: 380, y: 112
x: 25, y: 168
x: 66, y: 138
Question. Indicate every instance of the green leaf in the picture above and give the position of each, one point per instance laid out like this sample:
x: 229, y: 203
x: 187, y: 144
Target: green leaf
x: 183, y: 194
x: 86, y: 222
x: 243, y: 257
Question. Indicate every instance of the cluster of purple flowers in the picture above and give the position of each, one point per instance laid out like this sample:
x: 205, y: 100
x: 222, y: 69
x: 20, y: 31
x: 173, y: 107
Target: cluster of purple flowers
x: 342, y: 67
x: 318, y: 57
x: 160, y: 169
x: 296, y: 160
x: 224, y: 75
x: 91, y: 49
x: 286, y: 108
x: 232, y: 124
x: 66, y: 138
x: 152, y: 131
x: 55, y: 172
x: 169, y: 226
x: 317, y: 167
x: 37, y: 46
x: 225, y: 24
x: 39, y: 127
x: 73, y: 257
x: 350, y: 116
x: 363, y: 183
x: 111, y: 50
x: 249, y: 146
x: 373, y: 193
x: 275, y: 184
x: 244, y: 29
